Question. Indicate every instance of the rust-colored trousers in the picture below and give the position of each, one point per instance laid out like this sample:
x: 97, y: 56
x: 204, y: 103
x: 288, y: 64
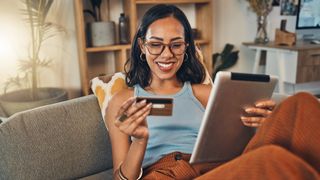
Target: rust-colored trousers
x: 286, y: 146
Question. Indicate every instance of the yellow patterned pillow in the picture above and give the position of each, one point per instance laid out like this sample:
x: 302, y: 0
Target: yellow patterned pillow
x: 105, y: 87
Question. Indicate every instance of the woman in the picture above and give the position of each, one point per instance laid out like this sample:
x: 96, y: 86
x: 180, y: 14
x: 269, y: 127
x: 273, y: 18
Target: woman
x: 163, y: 63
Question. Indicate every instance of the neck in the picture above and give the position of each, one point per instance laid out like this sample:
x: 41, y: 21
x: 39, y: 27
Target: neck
x: 164, y: 87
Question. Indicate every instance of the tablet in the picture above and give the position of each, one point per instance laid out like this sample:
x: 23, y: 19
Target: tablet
x: 222, y: 135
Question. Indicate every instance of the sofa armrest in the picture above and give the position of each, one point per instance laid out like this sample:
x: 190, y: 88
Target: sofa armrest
x: 66, y: 140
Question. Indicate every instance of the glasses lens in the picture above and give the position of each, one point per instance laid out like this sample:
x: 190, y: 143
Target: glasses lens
x: 178, y: 48
x: 156, y: 48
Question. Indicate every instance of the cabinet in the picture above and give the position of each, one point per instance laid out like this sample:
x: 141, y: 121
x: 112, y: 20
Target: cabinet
x: 293, y: 65
x: 203, y: 23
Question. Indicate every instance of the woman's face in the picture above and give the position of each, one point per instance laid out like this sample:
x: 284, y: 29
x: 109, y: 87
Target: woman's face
x: 164, y: 47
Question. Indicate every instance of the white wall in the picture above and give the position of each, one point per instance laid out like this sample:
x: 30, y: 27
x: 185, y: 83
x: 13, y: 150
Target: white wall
x: 234, y: 23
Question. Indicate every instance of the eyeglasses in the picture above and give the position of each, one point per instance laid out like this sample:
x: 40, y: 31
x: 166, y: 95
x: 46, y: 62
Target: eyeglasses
x: 176, y: 48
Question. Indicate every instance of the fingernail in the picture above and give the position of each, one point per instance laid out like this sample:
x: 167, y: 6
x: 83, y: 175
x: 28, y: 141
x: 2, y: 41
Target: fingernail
x: 143, y: 101
x: 259, y: 104
x: 248, y: 110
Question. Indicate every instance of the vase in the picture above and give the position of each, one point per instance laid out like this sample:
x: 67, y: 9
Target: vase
x: 262, y: 36
x: 101, y: 33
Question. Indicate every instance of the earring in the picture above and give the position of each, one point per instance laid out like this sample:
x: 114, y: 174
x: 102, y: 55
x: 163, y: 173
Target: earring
x: 186, y: 58
x: 141, y: 58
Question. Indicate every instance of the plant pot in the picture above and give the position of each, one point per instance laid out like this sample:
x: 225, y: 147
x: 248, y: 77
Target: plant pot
x: 101, y: 33
x: 20, y: 100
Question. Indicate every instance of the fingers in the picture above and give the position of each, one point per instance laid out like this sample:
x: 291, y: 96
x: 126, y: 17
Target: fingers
x: 128, y: 108
x: 138, y: 118
x: 258, y: 111
x: 253, y: 121
x: 266, y: 104
x: 125, y: 106
x: 258, y: 114
x: 136, y: 128
x: 135, y: 114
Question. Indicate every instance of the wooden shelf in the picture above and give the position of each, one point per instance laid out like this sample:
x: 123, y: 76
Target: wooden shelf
x: 202, y: 41
x: 125, y: 47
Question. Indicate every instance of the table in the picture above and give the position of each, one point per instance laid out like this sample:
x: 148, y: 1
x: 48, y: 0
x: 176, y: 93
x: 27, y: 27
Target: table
x: 292, y: 64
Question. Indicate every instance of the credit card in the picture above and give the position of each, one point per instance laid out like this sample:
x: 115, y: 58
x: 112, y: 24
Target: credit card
x: 160, y: 106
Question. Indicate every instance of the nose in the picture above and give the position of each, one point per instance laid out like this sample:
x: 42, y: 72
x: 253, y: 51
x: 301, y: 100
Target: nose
x: 167, y: 51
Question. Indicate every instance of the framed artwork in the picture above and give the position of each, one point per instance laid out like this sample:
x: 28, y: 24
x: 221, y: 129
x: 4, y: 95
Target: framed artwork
x: 289, y: 7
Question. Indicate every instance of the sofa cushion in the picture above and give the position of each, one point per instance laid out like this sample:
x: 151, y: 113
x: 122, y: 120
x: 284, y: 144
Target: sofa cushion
x: 104, y: 87
x: 66, y: 140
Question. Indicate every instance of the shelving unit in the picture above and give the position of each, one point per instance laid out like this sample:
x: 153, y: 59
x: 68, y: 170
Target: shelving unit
x: 203, y: 19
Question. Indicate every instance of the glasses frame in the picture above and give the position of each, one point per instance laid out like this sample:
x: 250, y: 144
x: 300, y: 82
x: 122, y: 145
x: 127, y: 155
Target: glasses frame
x: 146, y: 43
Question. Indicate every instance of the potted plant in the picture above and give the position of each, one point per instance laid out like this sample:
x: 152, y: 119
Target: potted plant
x: 35, y: 13
x: 100, y: 33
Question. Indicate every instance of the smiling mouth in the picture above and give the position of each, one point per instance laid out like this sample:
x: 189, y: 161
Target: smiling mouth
x: 165, y: 65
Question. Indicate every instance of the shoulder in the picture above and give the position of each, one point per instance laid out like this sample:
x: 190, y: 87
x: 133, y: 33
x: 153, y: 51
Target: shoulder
x: 201, y: 92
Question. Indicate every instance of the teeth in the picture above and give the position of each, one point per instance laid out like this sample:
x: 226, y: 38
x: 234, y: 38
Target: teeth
x: 165, y: 65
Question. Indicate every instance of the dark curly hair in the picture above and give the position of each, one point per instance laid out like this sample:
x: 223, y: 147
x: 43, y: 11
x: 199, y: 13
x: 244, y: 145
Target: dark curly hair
x: 138, y: 72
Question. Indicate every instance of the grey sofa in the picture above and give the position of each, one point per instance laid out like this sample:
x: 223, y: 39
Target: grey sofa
x: 67, y: 140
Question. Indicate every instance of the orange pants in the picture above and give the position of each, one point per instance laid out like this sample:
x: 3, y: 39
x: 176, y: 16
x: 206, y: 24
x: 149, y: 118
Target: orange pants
x: 286, y: 146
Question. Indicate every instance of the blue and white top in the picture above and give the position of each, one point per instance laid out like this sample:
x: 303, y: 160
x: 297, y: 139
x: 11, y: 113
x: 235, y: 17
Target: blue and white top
x: 173, y: 133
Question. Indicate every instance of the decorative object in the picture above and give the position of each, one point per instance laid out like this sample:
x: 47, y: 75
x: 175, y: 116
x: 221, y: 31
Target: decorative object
x: 35, y: 13
x: 262, y: 8
x: 124, y: 29
x: 285, y: 38
x: 101, y: 33
x: 289, y: 7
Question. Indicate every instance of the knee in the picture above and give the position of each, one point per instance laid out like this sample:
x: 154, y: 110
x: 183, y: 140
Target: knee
x: 302, y: 97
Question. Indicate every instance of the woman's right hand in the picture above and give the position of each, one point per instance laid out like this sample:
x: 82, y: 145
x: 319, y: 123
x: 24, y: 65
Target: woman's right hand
x: 131, y: 118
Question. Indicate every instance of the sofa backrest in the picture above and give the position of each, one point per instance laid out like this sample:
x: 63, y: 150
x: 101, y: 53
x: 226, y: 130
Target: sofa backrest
x: 66, y: 140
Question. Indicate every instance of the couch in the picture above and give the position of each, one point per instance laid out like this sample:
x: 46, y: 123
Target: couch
x: 67, y: 140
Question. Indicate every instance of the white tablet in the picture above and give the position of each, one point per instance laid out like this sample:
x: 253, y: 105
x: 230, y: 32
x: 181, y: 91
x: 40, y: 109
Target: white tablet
x: 222, y: 135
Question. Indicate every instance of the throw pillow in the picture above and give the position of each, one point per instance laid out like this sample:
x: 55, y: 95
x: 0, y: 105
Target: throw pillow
x: 104, y: 87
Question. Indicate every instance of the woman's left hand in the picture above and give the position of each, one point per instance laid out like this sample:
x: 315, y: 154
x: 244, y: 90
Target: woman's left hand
x: 259, y: 113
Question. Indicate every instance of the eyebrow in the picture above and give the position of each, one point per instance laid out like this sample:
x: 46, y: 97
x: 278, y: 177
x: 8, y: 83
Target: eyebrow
x: 161, y: 39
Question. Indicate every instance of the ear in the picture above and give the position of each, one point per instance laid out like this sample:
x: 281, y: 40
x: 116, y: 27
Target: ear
x: 142, y: 47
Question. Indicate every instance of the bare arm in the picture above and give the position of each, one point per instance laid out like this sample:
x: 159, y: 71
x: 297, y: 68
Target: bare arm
x: 129, y: 155
x: 202, y: 92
